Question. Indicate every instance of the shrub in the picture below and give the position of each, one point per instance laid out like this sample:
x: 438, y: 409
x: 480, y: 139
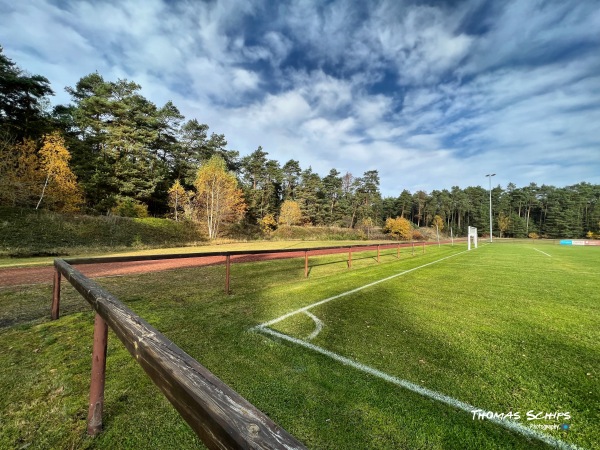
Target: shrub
x: 128, y: 207
x: 533, y: 235
x: 268, y: 224
x: 418, y: 236
x: 398, y: 227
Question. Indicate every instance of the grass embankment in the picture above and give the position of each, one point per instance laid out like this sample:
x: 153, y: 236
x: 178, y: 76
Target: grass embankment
x: 34, y: 236
x: 517, y: 330
x: 26, y: 233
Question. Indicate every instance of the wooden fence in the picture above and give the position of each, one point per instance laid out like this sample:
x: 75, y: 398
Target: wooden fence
x: 218, y: 415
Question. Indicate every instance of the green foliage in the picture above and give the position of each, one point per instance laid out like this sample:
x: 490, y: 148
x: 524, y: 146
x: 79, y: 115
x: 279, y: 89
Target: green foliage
x: 128, y: 207
x: 22, y: 97
x: 321, y: 233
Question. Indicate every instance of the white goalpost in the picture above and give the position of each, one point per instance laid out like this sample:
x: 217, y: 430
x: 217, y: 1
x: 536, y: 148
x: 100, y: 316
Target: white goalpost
x: 472, y: 234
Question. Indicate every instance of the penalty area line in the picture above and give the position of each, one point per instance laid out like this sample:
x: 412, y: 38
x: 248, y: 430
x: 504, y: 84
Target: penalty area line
x: 352, y: 291
x: 541, y: 252
x: 428, y: 393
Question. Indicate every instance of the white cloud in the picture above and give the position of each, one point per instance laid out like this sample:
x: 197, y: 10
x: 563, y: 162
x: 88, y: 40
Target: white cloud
x: 407, y: 89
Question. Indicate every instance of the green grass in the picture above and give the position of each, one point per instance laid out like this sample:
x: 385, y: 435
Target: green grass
x: 461, y: 332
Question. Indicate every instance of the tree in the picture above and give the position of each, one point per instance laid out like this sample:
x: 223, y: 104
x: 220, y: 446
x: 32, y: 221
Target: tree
x: 368, y: 195
x: 350, y: 201
x: 268, y: 224
x: 291, y: 174
x: 399, y: 227
x: 218, y: 198
x: 125, y: 139
x: 420, y: 199
x: 367, y: 224
x: 177, y: 198
x: 263, y: 180
x: 332, y: 193
x: 503, y: 223
x: 195, y: 147
x: 60, y: 184
x: 20, y: 178
x: 290, y: 213
x: 438, y: 222
x: 22, y: 99
x: 307, y: 195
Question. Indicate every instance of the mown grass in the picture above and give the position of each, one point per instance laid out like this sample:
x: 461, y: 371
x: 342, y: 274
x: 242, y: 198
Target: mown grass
x: 505, y: 328
x: 45, y: 365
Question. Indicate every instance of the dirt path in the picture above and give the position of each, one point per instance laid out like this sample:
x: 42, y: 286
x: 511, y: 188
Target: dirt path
x: 39, y: 275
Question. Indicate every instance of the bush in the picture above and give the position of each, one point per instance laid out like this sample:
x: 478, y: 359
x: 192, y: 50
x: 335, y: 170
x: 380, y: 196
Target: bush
x: 268, y: 224
x: 418, y: 236
x: 322, y: 233
x: 399, y: 227
x: 533, y: 236
x: 128, y: 207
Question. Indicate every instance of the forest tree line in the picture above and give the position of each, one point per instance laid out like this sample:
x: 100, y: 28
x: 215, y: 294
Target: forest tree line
x: 111, y: 150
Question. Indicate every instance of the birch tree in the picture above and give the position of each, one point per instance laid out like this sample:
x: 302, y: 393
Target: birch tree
x: 177, y: 198
x: 60, y: 184
x: 218, y: 198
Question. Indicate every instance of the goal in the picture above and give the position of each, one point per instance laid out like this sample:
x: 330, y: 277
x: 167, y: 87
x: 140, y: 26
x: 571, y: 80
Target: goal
x: 472, y: 234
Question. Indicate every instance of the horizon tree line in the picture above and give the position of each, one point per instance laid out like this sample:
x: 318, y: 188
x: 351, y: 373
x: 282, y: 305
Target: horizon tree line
x: 130, y: 157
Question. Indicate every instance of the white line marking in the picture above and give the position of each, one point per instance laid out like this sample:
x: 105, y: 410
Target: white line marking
x: 306, y: 308
x: 513, y: 426
x: 542, y: 252
x: 318, y: 325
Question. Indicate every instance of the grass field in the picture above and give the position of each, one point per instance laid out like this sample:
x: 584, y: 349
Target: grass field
x: 505, y: 328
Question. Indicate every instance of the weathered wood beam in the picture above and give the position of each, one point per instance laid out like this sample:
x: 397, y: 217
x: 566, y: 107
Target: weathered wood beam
x: 221, y: 417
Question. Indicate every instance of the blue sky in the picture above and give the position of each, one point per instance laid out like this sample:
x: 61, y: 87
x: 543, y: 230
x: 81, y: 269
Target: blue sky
x: 431, y: 94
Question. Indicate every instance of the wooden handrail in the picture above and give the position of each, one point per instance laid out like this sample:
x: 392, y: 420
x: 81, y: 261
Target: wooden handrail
x: 220, y: 417
x: 114, y: 259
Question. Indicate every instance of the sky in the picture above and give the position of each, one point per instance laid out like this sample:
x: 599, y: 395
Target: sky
x: 430, y: 94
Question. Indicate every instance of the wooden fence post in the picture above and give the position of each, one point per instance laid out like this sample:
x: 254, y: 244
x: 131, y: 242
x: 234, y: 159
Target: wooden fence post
x: 377, y: 252
x: 350, y: 258
x: 98, y: 376
x: 398, y: 252
x: 227, y: 273
x: 423, y: 247
x: 56, y: 295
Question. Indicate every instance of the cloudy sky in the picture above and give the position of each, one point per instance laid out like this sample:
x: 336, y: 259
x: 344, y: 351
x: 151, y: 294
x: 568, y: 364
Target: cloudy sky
x: 430, y: 94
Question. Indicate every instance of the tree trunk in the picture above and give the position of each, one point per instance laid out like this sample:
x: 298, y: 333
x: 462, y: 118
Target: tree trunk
x: 43, y: 190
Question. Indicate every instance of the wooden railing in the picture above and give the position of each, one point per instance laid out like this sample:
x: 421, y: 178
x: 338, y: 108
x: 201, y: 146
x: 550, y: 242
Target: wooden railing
x: 220, y: 417
x: 228, y: 255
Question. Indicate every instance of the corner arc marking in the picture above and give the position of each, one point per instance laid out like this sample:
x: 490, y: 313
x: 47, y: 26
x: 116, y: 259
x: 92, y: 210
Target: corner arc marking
x: 318, y: 325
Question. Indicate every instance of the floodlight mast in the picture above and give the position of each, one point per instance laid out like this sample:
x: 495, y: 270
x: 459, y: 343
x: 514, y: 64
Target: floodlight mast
x: 490, y: 175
